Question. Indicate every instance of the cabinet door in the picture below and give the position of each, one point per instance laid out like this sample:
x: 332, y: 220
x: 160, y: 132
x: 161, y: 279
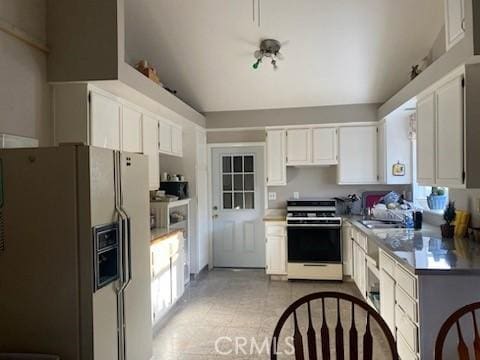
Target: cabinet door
x: 104, y: 122
x: 387, y: 303
x: 449, y: 131
x: 299, y: 151
x: 150, y: 148
x: 131, y: 130
x: 178, y: 284
x: 382, y: 152
x: 426, y: 140
x: 276, y: 255
x: 177, y: 140
x: 276, y: 167
x: 347, y: 249
x: 165, y: 137
x: 324, y: 146
x: 357, y: 160
x: 454, y: 22
x: 362, y: 272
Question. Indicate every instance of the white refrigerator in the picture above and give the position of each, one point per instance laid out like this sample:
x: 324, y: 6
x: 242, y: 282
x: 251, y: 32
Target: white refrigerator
x: 74, y: 253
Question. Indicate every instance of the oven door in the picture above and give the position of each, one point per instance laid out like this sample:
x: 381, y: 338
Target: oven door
x: 314, y: 244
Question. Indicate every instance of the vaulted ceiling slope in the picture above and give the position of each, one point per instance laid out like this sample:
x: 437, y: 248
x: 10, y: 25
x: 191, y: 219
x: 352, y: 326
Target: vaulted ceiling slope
x: 336, y: 51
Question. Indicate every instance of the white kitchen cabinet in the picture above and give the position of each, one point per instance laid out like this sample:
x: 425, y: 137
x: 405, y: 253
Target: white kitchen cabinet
x: 165, y: 137
x: 440, y: 135
x: 357, y: 160
x: 347, y: 248
x: 131, y: 130
x: 105, y: 118
x: 276, y: 249
x: 276, y: 155
x: 299, y: 150
x: 426, y: 140
x: 387, y: 300
x: 454, y: 22
x: 394, y: 147
x: 177, y: 140
x: 150, y: 148
x: 324, y: 141
x: 449, y: 134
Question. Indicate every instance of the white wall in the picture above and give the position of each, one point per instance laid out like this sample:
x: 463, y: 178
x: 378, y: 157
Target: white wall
x: 320, y: 182
x: 23, y: 73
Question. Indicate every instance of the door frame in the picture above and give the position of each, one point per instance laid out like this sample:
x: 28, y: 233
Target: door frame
x: 210, y: 148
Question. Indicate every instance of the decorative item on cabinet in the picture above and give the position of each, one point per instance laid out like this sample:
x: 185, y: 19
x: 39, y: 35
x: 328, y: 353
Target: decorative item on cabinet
x: 398, y: 169
x: 448, y: 230
x: 149, y: 71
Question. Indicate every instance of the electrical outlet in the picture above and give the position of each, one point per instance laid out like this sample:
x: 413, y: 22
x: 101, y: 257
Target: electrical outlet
x: 272, y: 196
x: 296, y: 195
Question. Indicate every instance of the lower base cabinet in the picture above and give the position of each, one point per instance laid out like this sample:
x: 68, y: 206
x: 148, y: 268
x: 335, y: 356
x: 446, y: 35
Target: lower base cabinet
x: 167, y: 268
x: 276, y: 248
x: 387, y: 303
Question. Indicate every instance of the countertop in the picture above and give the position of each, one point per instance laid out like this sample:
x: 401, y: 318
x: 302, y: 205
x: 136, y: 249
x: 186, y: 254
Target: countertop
x: 159, y: 234
x: 424, y: 252
x: 275, y: 215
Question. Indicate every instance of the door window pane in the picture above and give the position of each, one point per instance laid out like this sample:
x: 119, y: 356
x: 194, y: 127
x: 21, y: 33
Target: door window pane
x: 227, y: 164
x: 238, y: 200
x: 248, y: 163
x: 227, y: 200
x: 227, y: 182
x: 249, y: 200
x: 238, y: 182
x: 238, y: 164
x: 249, y: 182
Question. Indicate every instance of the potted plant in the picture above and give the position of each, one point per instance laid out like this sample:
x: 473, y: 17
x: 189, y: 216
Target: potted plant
x: 437, y: 199
x: 448, y: 230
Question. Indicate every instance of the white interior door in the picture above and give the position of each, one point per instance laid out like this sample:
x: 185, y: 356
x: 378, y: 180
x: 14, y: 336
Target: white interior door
x: 238, y: 206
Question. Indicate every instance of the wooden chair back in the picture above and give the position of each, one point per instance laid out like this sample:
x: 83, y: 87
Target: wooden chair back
x: 338, y: 332
x: 462, y: 347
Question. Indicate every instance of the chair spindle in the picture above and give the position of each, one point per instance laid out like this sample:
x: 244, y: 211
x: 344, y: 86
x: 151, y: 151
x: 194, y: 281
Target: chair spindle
x: 340, y: 351
x: 311, y: 336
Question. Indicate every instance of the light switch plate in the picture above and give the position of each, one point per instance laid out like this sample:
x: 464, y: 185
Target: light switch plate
x: 296, y: 195
x: 272, y: 195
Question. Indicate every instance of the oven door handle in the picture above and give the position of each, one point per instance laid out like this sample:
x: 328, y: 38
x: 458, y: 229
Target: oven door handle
x: 315, y: 265
x: 321, y: 226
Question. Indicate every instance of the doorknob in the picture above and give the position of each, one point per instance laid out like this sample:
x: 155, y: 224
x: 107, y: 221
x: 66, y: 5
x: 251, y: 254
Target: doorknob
x: 215, y: 207
x: 215, y: 216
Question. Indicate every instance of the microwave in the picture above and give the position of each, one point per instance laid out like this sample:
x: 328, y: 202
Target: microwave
x: 177, y: 188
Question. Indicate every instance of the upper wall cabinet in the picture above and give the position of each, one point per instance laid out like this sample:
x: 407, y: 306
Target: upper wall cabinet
x: 357, y: 158
x: 105, y: 120
x: 440, y: 134
x: 170, y: 138
x: 88, y: 115
x: 131, y: 129
x: 324, y: 141
x: 395, y: 149
x: 426, y: 140
x: 454, y: 22
x: 150, y: 148
x: 299, y: 150
x: 276, y: 156
x: 312, y: 146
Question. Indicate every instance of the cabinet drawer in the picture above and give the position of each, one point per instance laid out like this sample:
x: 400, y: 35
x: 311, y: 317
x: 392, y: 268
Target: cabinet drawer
x: 387, y: 264
x: 406, y: 281
x: 275, y: 230
x: 362, y: 240
x: 408, y: 305
x: 404, y: 352
x: 406, y: 328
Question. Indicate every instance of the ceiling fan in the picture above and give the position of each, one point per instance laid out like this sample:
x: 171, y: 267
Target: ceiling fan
x: 269, y: 49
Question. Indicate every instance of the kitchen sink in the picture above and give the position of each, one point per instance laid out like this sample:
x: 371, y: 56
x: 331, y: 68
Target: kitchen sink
x: 382, y: 224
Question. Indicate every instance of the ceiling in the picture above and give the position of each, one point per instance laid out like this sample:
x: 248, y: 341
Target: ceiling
x: 336, y: 51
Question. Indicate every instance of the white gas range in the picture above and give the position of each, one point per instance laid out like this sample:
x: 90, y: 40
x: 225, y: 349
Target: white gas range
x: 314, y: 240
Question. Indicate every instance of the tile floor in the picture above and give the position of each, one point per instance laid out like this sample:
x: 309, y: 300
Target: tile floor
x: 239, y: 305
